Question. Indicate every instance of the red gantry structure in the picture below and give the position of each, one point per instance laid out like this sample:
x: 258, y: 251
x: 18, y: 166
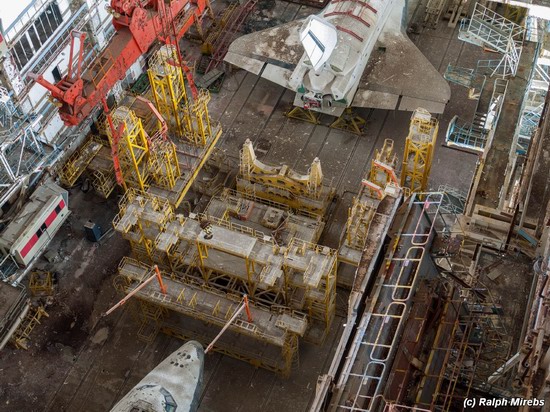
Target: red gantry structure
x: 139, y: 23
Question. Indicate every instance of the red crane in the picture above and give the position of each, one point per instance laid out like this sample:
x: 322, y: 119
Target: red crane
x: 139, y: 23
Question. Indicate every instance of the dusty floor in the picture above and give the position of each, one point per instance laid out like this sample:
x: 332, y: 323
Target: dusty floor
x: 81, y: 362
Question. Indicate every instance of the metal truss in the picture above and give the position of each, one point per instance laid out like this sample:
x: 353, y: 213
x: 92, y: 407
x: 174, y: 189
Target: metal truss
x: 491, y: 30
x: 21, y: 154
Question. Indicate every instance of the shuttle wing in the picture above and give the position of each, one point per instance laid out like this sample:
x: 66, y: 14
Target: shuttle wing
x: 271, y: 53
x: 399, y: 77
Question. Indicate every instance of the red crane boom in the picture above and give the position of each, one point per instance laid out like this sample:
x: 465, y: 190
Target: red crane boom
x: 139, y: 23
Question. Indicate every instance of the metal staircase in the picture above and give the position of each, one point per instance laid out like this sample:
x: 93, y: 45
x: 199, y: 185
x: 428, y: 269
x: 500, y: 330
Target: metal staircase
x: 470, y: 136
x: 473, y: 135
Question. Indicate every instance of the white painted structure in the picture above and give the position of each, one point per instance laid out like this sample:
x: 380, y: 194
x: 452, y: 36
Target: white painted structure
x: 36, y: 39
x: 32, y: 229
x: 174, y: 385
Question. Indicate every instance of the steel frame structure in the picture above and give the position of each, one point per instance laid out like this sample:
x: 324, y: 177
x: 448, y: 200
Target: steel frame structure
x: 473, y: 136
x: 101, y: 170
x: 273, y: 218
x: 21, y: 154
x: 301, y: 275
x: 495, y: 32
x: 76, y: 164
x: 22, y: 335
x: 365, y: 204
x: 130, y: 149
x: 139, y: 25
x: 168, y: 89
x: 360, y: 386
x: 281, y: 184
x: 278, y: 329
x: 140, y: 218
x: 227, y: 34
x: 418, y: 154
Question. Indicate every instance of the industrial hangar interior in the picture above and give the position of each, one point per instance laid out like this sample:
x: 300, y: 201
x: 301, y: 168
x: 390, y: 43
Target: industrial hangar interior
x: 274, y: 205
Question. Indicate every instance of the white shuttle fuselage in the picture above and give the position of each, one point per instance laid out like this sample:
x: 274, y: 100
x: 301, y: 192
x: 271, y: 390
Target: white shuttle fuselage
x: 356, y: 24
x: 174, y: 385
x: 354, y: 53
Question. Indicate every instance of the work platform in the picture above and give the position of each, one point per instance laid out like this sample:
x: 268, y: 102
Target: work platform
x: 275, y: 219
x: 200, y: 302
x: 492, y: 179
x: 379, y: 183
x: 236, y: 259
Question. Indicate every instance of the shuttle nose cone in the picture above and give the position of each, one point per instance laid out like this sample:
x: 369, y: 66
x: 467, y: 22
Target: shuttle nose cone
x: 195, y: 347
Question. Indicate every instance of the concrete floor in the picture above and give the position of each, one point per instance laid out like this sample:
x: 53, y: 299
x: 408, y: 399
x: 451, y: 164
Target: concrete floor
x: 81, y: 362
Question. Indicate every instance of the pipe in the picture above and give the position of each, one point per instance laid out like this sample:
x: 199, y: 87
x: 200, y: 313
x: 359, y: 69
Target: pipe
x: 155, y: 275
x: 237, y: 312
x: 15, y: 326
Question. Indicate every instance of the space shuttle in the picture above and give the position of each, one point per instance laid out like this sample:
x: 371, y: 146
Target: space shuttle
x: 354, y: 53
x: 174, y: 385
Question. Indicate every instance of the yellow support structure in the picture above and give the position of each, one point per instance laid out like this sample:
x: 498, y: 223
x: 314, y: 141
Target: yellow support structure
x: 103, y: 182
x: 299, y: 113
x: 186, y: 120
x: 384, y: 156
x: 281, y: 184
x: 164, y: 165
x: 349, y: 122
x: 140, y: 219
x: 419, y: 146
x: 365, y: 205
x: 360, y: 216
x: 131, y: 148
x: 201, y: 133
x: 21, y: 337
x: 41, y: 282
x: 216, y: 29
x: 76, y: 164
x: 101, y: 171
x: 168, y: 88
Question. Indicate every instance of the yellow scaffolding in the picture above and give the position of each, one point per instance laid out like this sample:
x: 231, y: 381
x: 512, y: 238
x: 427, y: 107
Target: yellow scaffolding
x: 76, y: 164
x: 277, y: 330
x: 141, y: 217
x: 168, y: 88
x: 164, y: 165
x: 101, y: 171
x: 104, y: 182
x: 41, y: 282
x: 239, y: 259
x: 21, y: 336
x: 373, y: 190
x: 270, y: 217
x: 186, y: 120
x: 130, y: 149
x: 360, y: 216
x: 419, y: 146
x: 385, y: 156
x: 201, y: 132
x: 310, y: 276
x: 217, y: 28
